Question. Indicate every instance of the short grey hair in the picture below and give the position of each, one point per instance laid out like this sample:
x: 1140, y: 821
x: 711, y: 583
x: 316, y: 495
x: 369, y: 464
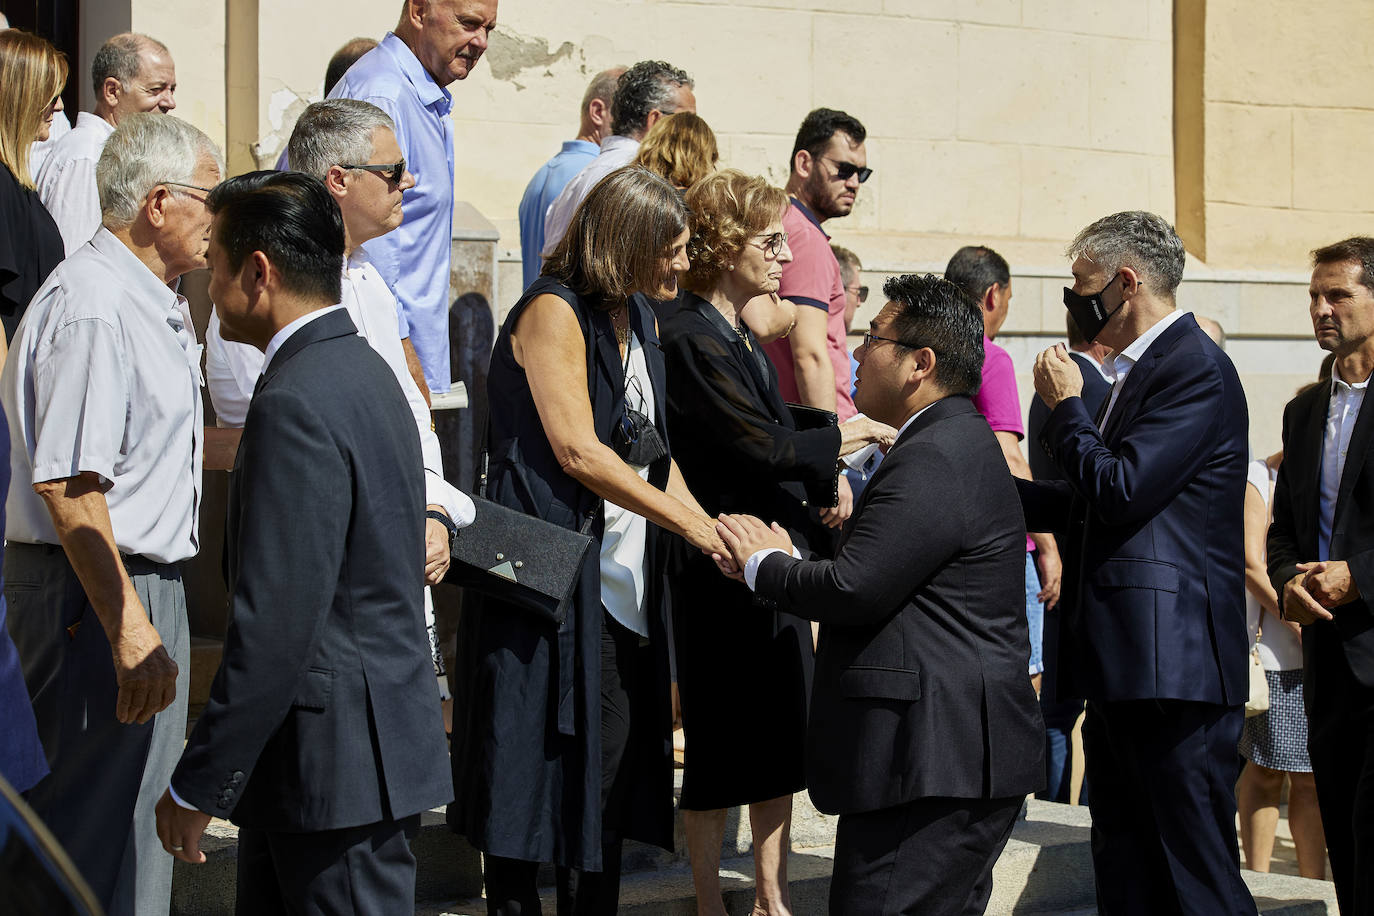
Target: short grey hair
x: 334, y: 132
x: 1137, y: 239
x: 146, y: 150
x: 602, y: 87
x: 122, y: 57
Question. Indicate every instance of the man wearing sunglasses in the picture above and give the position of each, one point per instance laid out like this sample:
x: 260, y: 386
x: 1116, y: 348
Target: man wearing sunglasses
x: 828, y: 165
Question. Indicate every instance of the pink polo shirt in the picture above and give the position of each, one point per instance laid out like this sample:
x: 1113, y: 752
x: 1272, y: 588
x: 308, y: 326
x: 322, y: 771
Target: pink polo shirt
x: 997, y: 399
x: 812, y: 280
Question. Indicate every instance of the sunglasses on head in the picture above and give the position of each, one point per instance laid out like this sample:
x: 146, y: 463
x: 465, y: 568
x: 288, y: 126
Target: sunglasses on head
x: 391, y: 171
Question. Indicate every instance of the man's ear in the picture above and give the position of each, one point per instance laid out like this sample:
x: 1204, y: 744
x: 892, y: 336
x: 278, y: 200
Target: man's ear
x: 260, y: 272
x: 334, y: 180
x: 1131, y: 282
x: 155, y: 206
x: 110, y: 91
x: 990, y: 299
x: 923, y: 365
x: 598, y: 112
x: 415, y: 12
x: 803, y: 163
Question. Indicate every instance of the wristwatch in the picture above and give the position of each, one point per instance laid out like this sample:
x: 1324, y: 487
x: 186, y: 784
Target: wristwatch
x: 447, y: 522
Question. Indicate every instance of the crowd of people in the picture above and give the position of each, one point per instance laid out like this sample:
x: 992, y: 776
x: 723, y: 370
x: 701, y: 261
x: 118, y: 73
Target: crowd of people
x: 858, y: 574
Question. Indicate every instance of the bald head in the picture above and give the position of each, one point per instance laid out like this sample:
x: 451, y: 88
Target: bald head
x: 1212, y: 329
x: 131, y: 73
x: 596, y: 105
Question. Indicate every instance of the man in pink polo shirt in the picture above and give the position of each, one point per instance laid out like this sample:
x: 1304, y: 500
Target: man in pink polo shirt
x: 828, y: 165
x: 985, y: 276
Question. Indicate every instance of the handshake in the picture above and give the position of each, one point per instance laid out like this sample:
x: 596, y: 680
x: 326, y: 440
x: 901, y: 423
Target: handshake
x: 744, y: 536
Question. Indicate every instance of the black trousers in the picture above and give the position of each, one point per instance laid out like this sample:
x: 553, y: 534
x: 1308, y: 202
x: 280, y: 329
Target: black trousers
x: 358, y: 870
x: 511, y: 884
x: 1164, y: 808
x: 932, y: 857
x: 1340, y: 741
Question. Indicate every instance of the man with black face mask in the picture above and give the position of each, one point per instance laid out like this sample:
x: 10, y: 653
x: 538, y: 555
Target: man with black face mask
x: 1154, y: 629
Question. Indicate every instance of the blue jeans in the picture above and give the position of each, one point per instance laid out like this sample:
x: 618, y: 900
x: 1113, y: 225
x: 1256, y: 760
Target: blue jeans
x: 1035, y: 615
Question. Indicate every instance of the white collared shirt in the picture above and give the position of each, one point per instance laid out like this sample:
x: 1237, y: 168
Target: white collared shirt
x: 1342, y: 410
x: 1119, y: 365
x: 66, y: 183
x: 616, y: 151
x: 103, y: 376
x: 751, y: 566
x: 232, y: 371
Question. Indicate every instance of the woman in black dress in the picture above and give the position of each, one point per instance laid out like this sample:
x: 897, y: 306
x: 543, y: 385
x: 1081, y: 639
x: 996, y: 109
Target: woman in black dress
x: 743, y: 671
x: 32, y: 73
x: 560, y: 738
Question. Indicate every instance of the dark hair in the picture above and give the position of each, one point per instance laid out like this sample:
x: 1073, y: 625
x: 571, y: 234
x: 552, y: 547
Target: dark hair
x: 344, y: 58
x: 646, y: 86
x: 292, y: 219
x: 933, y: 312
x: 819, y: 126
x: 1359, y: 248
x: 619, y: 236
x: 975, y: 268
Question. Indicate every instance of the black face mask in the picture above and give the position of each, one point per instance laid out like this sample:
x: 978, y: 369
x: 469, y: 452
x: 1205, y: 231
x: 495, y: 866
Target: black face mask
x: 1090, y: 312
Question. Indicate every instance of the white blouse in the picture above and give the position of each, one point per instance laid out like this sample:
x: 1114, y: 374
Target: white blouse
x: 622, y: 544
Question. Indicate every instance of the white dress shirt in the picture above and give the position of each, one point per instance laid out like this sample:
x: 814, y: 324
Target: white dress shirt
x: 103, y: 376
x: 1119, y: 365
x: 616, y: 151
x: 751, y: 566
x: 232, y: 371
x: 40, y: 150
x: 66, y: 183
x: 1341, y: 412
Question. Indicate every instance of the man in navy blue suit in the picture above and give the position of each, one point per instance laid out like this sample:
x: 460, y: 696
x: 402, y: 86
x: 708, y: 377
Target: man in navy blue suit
x: 1153, y: 633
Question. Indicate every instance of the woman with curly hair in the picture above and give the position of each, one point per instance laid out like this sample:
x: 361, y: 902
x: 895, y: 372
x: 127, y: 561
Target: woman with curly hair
x: 680, y: 148
x: 33, y: 73
x: 739, y: 450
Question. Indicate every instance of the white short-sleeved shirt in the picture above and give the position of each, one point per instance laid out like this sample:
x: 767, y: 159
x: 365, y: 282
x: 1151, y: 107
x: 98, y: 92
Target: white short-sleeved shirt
x: 66, y: 183
x: 103, y: 376
x: 232, y: 371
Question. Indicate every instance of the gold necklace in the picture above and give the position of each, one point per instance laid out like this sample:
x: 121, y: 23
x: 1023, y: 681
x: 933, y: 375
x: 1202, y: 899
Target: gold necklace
x: 622, y: 335
x: 739, y: 332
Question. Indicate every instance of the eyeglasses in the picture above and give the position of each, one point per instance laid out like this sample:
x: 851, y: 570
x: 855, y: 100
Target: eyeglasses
x: 847, y: 170
x: 869, y: 337
x: 860, y: 291
x: 774, y: 243
x: 392, y: 171
x: 182, y: 184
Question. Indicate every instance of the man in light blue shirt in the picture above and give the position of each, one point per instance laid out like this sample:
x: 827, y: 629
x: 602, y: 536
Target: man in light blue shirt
x: 435, y: 43
x: 553, y: 175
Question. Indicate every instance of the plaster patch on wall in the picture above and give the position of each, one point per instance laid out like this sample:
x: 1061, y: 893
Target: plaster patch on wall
x: 511, y: 54
x: 283, y: 108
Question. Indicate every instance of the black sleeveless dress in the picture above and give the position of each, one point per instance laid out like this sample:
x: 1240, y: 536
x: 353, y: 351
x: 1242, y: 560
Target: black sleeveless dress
x: 526, y: 747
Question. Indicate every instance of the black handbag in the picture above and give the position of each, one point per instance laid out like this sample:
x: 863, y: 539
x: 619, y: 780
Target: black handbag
x: 518, y: 558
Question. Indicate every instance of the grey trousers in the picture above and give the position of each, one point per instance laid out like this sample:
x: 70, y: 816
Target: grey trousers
x: 106, y: 777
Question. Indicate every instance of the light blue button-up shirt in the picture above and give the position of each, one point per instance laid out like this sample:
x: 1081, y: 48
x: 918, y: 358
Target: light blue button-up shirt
x: 414, y: 258
x: 543, y: 188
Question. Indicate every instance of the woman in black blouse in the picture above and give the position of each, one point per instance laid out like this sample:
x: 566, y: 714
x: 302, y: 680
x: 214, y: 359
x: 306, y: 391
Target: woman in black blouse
x: 742, y: 670
x: 32, y: 73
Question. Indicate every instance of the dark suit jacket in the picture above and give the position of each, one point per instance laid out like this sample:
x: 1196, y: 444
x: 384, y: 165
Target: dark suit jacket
x: 1154, y: 506
x: 1293, y: 534
x: 323, y: 713
x: 921, y: 687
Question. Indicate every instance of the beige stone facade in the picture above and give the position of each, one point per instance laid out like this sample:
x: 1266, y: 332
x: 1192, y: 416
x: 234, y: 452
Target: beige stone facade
x: 1005, y: 122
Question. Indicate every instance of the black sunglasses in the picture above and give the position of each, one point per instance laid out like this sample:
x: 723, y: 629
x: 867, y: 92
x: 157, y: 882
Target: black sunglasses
x: 392, y: 171
x: 860, y: 291
x: 847, y: 170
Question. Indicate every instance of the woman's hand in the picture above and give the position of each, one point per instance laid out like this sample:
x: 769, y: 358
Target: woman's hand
x: 701, y: 534
x: 861, y: 431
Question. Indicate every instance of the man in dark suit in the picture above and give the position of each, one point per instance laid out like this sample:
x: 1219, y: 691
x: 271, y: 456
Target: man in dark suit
x: 924, y: 735
x: 1321, y: 560
x: 1061, y: 712
x: 322, y: 738
x: 1153, y: 632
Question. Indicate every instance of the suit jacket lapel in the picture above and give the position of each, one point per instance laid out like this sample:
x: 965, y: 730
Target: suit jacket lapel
x: 335, y: 324
x: 1305, y: 456
x: 1134, y: 384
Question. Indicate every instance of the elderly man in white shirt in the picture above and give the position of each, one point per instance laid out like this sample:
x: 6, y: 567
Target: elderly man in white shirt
x: 130, y: 73
x: 102, y: 391
x: 351, y: 146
